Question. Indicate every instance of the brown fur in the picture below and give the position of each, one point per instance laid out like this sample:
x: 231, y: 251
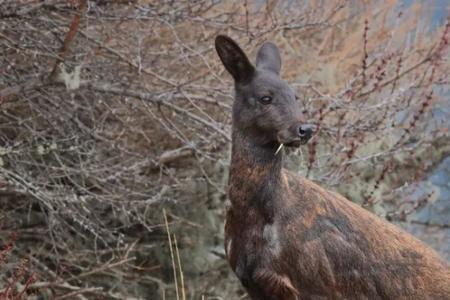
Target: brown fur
x: 289, y: 239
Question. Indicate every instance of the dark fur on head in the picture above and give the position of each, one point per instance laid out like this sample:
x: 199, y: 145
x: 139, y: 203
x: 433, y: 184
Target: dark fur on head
x: 265, y: 110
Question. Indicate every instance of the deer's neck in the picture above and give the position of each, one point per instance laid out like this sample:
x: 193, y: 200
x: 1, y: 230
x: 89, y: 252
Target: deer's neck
x: 255, y: 175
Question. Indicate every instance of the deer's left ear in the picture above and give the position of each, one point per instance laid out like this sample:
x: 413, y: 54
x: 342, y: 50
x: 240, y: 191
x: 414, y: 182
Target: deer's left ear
x: 269, y: 58
x: 234, y: 59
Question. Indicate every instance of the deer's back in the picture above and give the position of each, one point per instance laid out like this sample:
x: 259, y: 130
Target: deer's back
x: 320, y: 245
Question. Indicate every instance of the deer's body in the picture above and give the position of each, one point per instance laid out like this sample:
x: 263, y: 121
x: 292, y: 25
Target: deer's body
x: 286, y: 238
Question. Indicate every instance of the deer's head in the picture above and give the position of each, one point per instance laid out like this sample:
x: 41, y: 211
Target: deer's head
x: 265, y: 107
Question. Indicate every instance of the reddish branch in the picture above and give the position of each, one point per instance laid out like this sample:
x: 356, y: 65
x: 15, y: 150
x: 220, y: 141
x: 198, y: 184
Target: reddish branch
x: 69, y: 37
x: 366, y: 56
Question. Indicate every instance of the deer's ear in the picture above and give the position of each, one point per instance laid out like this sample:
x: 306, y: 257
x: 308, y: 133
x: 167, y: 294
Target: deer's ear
x: 234, y: 59
x: 269, y: 58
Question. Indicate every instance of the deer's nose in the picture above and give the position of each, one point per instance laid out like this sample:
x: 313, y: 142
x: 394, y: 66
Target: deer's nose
x: 305, y: 131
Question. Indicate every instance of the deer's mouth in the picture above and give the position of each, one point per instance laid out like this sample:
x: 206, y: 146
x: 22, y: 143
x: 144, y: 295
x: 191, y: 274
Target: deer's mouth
x: 296, y: 135
x: 291, y: 144
x: 295, y: 144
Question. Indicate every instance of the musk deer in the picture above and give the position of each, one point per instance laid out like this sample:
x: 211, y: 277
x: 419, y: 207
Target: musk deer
x: 285, y: 236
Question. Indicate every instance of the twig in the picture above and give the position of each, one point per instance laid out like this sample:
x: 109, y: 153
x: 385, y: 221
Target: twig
x: 171, y: 254
x: 183, y: 292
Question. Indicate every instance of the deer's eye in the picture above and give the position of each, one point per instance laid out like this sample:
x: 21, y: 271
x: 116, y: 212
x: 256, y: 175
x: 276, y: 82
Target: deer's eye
x: 265, y: 100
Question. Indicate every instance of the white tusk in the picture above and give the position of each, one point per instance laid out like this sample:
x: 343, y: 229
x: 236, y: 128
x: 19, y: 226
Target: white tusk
x: 279, y: 148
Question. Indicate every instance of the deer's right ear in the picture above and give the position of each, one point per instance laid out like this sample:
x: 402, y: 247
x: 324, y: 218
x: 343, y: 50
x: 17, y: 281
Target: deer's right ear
x: 234, y: 59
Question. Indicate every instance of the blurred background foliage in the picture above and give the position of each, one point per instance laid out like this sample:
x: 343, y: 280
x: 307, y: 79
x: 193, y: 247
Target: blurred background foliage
x: 112, y: 111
